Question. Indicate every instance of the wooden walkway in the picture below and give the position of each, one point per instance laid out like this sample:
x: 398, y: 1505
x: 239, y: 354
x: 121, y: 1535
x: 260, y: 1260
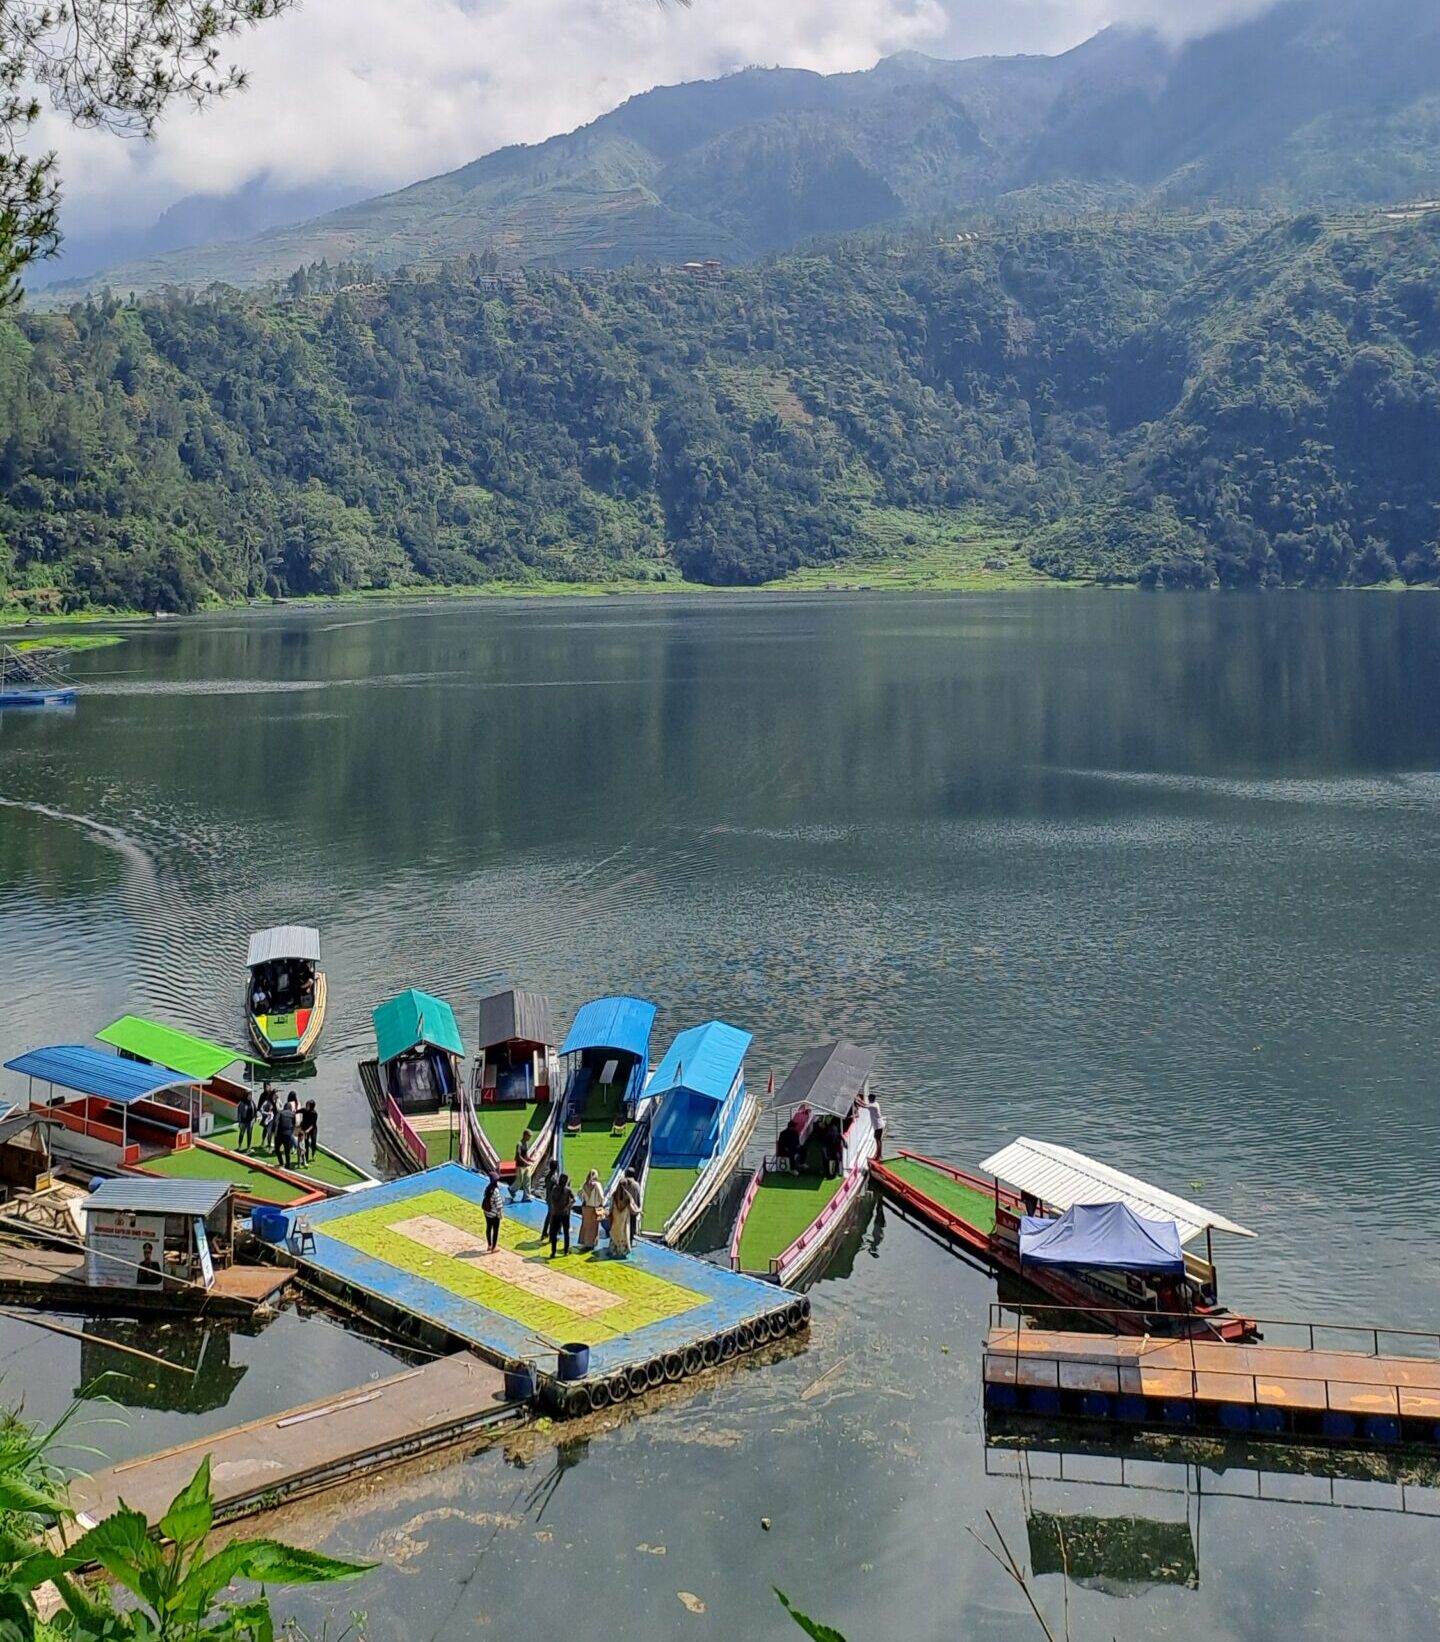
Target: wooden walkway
x: 256, y: 1466
x: 54, y: 1280
x: 1293, y: 1380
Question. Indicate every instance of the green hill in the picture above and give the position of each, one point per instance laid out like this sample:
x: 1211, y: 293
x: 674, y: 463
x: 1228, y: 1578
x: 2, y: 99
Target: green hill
x: 1184, y: 400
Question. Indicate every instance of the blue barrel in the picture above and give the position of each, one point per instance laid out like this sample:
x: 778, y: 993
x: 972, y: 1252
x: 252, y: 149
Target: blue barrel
x: 1042, y: 1399
x: 1270, y: 1420
x: 520, y: 1383
x: 1235, y: 1416
x: 1382, y: 1428
x: 574, y: 1361
x: 1095, y: 1405
x: 1340, y: 1427
x: 1130, y: 1408
x: 1002, y: 1398
x: 270, y: 1225
x: 1176, y: 1411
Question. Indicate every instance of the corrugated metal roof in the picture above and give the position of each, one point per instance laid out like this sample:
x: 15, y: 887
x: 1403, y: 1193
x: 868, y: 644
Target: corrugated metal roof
x: 612, y: 1023
x: 414, y: 1018
x: 1062, y: 1178
x: 130, y: 1195
x: 167, y: 1046
x: 284, y: 941
x: 703, y: 1058
x: 830, y: 1075
x: 515, y: 1017
x: 87, y: 1071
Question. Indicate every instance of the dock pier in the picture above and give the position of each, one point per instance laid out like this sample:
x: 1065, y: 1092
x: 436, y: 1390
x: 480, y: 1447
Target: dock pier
x: 1300, y: 1392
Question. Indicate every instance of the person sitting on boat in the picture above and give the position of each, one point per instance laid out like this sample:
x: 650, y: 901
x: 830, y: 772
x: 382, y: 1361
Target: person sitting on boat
x: 309, y: 1132
x: 259, y: 1000
x: 520, y: 1185
x: 245, y: 1122
x: 562, y: 1205
x: 493, y: 1205
x: 592, y: 1204
x: 787, y: 1146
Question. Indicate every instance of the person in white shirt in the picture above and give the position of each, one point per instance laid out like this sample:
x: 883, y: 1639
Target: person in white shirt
x: 877, y: 1123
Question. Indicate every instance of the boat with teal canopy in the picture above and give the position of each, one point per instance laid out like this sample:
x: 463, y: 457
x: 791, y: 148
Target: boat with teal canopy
x: 414, y: 1083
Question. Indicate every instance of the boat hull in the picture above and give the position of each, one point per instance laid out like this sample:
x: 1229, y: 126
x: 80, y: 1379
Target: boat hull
x: 37, y: 698
x: 710, y: 1180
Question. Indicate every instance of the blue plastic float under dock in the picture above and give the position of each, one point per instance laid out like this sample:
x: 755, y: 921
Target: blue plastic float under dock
x: 416, y: 1247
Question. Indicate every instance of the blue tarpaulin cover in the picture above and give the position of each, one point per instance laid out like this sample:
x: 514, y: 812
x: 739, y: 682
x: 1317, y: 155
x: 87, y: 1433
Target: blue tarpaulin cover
x: 1104, y: 1237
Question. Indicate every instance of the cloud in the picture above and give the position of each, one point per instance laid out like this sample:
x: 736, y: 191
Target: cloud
x: 381, y: 92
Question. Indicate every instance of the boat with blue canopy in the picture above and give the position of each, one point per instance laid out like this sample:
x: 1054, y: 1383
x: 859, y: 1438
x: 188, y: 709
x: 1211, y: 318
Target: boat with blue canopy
x: 698, y: 1118
x: 414, y: 1083
x: 285, y: 991
x: 604, y: 1064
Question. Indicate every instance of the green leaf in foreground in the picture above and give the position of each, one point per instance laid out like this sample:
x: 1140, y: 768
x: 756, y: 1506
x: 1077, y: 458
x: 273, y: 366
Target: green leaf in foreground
x: 811, y: 1627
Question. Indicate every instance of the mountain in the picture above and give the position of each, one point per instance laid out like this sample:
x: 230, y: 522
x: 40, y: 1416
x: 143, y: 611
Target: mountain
x: 1315, y: 102
x: 1191, y: 400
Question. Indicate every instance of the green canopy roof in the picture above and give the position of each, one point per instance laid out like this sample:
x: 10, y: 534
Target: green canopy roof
x: 415, y: 1018
x: 180, y: 1052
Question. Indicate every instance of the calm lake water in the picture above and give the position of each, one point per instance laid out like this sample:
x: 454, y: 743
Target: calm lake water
x: 1154, y: 877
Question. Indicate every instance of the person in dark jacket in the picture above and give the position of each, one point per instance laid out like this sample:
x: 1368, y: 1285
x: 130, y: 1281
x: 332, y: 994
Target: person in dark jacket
x: 265, y: 1111
x: 562, y: 1205
x: 834, y: 1144
x: 245, y: 1121
x: 285, y: 1136
x: 493, y: 1204
x: 309, y: 1132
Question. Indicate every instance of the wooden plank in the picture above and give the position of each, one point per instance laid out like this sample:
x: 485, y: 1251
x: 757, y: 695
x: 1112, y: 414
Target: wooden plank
x: 319, y: 1444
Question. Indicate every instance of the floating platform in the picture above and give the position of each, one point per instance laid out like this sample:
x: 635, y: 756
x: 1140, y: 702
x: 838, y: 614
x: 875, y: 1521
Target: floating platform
x: 53, y: 1279
x: 411, y: 1255
x: 1297, y: 1392
x: 259, y: 1465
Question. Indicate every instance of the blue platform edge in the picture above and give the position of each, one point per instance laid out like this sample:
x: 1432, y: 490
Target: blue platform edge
x: 729, y: 1297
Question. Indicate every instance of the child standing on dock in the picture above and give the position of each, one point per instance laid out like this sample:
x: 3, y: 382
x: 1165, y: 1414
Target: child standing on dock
x: 493, y: 1205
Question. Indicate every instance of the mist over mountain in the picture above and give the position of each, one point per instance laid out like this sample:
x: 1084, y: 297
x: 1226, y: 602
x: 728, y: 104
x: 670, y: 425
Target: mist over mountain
x: 1311, y: 103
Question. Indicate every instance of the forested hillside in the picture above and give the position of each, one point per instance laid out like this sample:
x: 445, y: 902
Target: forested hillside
x: 1171, y: 401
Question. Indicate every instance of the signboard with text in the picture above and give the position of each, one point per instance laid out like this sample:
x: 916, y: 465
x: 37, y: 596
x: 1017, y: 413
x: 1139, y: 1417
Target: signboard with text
x: 124, y: 1250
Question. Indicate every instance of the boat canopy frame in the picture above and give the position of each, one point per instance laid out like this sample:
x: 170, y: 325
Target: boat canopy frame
x: 293, y: 942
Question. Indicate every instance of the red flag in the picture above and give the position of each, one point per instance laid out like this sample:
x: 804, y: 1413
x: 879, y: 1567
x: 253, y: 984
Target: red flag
x: 770, y: 1087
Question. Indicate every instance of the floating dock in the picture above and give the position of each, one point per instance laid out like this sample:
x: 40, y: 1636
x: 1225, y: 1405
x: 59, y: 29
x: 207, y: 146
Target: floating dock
x: 257, y: 1466
x: 53, y: 1279
x: 1300, y: 1392
x: 410, y: 1254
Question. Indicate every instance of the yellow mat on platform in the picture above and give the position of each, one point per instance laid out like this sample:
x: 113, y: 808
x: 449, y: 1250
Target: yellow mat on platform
x: 587, y: 1298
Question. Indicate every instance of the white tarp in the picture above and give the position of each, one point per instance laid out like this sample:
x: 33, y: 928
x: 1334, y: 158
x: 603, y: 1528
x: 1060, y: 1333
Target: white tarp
x: 1063, y: 1178
x: 284, y: 941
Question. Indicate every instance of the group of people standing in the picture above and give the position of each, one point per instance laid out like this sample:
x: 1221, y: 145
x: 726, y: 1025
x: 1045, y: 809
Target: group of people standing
x: 290, y: 1131
x: 560, y: 1199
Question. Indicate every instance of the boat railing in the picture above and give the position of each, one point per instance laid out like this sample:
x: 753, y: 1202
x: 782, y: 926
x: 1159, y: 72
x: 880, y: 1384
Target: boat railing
x: 1304, y: 1334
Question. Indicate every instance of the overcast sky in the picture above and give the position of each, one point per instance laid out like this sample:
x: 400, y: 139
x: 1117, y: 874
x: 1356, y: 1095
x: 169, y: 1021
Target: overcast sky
x: 377, y: 93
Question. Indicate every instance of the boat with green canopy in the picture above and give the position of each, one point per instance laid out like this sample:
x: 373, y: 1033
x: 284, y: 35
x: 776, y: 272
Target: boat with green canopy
x: 799, y: 1197
x: 414, y: 1083
x: 211, y: 1101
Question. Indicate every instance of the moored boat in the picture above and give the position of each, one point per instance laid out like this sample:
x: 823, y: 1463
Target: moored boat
x: 515, y: 1078
x: 213, y: 1098
x: 285, y: 991
x: 699, y: 1116
x: 115, y: 1115
x: 799, y: 1198
x: 604, y: 1063
x: 414, y: 1083
x: 33, y: 678
x: 1033, y: 1214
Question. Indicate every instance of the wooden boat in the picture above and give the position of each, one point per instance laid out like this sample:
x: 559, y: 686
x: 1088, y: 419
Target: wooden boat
x: 33, y: 678
x: 516, y: 1072
x: 285, y: 991
x: 698, y: 1118
x: 118, y: 1115
x: 983, y: 1215
x: 414, y: 1083
x: 794, y: 1210
x: 604, y: 1064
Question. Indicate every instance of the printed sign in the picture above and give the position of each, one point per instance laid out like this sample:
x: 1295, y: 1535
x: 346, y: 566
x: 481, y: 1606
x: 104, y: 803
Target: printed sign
x: 124, y: 1251
x: 202, y: 1248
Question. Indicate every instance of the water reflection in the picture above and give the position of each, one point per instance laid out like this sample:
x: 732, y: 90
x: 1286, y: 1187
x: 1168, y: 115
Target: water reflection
x: 201, y: 1376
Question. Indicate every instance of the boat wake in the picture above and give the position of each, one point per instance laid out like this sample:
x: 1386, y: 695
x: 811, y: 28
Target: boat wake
x: 102, y: 832
x: 1406, y: 790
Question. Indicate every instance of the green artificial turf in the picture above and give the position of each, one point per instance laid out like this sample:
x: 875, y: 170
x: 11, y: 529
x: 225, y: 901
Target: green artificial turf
x: 665, y: 1191
x: 325, y: 1166
x: 783, y: 1207
x: 196, y: 1163
x: 971, y: 1205
x: 593, y: 1148
x: 441, y: 1145
x: 503, y: 1126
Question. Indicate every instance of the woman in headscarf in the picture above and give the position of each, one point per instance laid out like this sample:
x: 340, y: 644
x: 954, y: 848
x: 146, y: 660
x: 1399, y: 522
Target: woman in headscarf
x: 592, y: 1204
x: 624, y: 1203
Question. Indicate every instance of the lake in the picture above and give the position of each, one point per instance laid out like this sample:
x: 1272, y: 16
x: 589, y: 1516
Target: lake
x: 1155, y: 877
